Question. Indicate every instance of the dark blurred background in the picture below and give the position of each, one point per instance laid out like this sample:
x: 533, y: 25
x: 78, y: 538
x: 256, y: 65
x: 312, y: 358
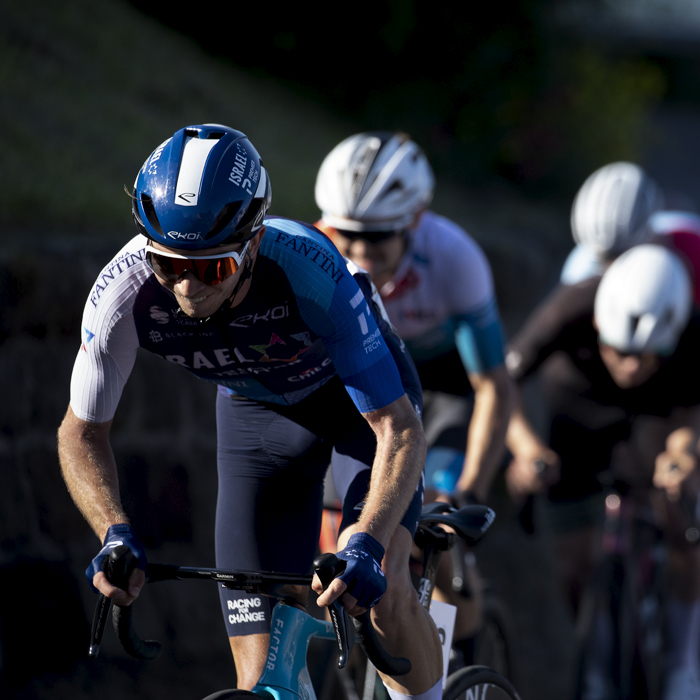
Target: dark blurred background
x: 515, y: 104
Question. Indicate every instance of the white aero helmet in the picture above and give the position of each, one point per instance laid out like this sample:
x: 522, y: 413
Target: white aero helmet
x: 376, y: 181
x: 612, y: 207
x: 644, y: 301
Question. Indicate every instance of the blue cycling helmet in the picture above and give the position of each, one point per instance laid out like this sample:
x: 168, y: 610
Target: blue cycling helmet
x: 204, y: 187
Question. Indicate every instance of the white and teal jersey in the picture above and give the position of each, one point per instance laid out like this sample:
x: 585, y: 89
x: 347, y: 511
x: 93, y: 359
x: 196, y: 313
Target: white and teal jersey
x: 442, y: 297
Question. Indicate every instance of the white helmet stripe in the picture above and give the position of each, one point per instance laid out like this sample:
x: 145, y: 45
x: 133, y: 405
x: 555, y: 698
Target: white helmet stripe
x: 189, y: 179
x: 262, y: 183
x: 386, y: 172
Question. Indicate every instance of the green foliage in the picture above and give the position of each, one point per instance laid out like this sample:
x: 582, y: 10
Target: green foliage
x: 594, y: 112
x: 90, y: 89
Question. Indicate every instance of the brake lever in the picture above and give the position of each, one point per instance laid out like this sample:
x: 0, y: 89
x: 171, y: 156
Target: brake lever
x: 117, y: 567
x: 328, y: 567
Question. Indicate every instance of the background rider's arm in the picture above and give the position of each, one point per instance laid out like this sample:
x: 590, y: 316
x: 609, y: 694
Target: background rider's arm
x: 487, y: 430
x: 534, y: 465
x: 546, y: 331
x: 397, y: 467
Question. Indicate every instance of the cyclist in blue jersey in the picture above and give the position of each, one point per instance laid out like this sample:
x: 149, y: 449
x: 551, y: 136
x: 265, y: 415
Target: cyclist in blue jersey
x: 373, y: 190
x: 308, y: 370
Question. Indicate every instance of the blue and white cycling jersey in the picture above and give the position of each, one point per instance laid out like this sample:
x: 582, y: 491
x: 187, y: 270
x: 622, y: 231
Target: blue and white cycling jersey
x: 442, y: 297
x: 304, y: 320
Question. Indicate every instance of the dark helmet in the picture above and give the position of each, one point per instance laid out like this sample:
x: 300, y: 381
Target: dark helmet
x: 204, y: 187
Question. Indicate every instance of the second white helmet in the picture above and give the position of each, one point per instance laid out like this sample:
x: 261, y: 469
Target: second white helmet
x: 376, y: 181
x: 644, y: 301
x: 612, y: 207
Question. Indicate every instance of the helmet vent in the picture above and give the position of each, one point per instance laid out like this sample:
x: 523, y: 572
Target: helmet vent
x: 634, y: 322
x: 150, y: 212
x: 224, y: 219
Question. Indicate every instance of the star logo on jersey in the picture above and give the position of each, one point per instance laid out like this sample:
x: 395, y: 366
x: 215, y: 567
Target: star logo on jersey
x: 272, y: 353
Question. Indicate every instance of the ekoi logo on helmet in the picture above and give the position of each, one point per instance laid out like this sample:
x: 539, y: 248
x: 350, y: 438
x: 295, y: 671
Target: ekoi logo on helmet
x: 180, y: 236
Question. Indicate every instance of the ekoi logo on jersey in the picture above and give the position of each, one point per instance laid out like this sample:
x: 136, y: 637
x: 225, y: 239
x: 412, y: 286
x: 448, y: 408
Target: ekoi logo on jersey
x: 89, y: 335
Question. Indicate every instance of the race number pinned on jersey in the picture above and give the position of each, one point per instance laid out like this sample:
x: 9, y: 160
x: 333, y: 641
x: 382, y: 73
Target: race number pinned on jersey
x: 444, y: 616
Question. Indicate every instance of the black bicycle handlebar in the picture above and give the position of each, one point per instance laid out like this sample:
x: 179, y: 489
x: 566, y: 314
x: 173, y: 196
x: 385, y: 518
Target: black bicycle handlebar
x: 120, y: 563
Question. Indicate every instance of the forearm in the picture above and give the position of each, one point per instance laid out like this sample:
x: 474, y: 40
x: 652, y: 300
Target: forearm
x: 90, y: 472
x: 521, y: 436
x: 487, y: 433
x: 397, y: 468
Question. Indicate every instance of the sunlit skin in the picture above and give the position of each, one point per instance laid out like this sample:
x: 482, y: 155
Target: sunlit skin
x: 629, y: 371
x: 199, y: 300
x: 381, y: 259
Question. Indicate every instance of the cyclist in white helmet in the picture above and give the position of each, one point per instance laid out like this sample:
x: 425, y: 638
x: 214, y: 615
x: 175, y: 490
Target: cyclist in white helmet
x: 617, y: 360
x: 609, y: 215
x: 373, y: 190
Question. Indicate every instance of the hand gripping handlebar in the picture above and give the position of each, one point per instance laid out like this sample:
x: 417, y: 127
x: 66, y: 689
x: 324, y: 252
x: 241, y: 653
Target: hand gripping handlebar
x: 121, y: 563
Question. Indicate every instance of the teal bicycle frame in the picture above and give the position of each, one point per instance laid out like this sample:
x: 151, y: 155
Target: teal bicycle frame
x: 286, y: 676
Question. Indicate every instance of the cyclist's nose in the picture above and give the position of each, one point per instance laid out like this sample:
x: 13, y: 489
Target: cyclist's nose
x: 188, y: 285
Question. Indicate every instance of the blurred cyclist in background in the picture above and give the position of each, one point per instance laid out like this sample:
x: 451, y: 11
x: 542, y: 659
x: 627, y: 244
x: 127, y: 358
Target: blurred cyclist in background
x: 618, y: 362
x: 373, y: 190
x: 619, y: 206
x: 609, y: 215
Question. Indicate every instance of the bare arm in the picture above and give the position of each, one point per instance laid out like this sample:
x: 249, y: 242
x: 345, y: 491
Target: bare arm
x: 90, y: 473
x: 487, y: 430
x: 397, y: 467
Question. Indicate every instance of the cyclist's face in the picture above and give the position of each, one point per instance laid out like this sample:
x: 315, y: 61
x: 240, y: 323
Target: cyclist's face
x: 199, y: 300
x: 380, y: 259
x: 629, y: 371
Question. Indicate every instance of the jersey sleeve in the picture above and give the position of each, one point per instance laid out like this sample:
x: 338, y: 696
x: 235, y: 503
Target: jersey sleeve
x: 469, y: 287
x: 397, y: 348
x: 335, y: 308
x: 109, y: 338
x: 103, y: 365
x: 480, y: 339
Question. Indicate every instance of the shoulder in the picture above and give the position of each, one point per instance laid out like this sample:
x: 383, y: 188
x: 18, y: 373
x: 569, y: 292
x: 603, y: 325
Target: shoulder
x: 309, y: 260
x: 123, y: 274
x: 563, y: 319
x: 581, y: 264
x: 444, y: 241
x: 114, y: 293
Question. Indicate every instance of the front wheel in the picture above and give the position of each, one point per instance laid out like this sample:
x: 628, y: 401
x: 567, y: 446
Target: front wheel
x: 478, y: 682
